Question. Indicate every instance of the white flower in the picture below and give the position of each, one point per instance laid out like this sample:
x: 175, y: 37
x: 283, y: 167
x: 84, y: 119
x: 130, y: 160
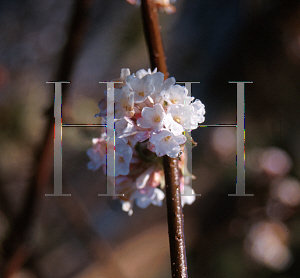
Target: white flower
x: 127, y: 206
x: 131, y: 133
x: 142, y: 180
x: 123, y: 155
x: 141, y: 88
x: 121, y: 166
x: 188, y: 197
x: 123, y: 149
x: 156, y: 80
x: 97, y: 154
x: 184, y: 115
x: 172, y: 125
x: 178, y: 113
x: 141, y: 73
x: 126, y: 129
x: 177, y: 95
x: 146, y: 107
x: 166, y: 5
x: 189, y: 116
x: 153, y: 196
x: 141, y: 136
x: 152, y: 117
x: 124, y: 103
x: 121, y: 125
x: 102, y: 104
x: 166, y: 143
x: 157, y: 94
x: 173, y: 95
x: 124, y: 73
x: 199, y: 111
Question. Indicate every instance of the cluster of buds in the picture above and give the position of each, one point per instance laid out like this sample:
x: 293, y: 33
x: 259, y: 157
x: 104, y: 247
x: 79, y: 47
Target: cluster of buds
x: 151, y: 117
x: 163, y: 5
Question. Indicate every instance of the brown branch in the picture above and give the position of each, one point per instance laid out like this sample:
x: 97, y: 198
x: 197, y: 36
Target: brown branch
x: 175, y: 216
x: 43, y: 167
x: 153, y: 37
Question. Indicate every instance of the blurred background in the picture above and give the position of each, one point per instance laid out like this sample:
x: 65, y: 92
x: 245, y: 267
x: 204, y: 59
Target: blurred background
x: 208, y: 41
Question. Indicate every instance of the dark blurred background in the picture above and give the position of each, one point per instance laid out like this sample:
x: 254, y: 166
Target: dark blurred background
x: 208, y: 41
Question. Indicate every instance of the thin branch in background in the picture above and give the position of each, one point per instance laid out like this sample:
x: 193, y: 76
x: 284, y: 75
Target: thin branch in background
x: 81, y: 221
x: 175, y: 216
x: 43, y: 166
x: 5, y: 204
x: 78, y: 218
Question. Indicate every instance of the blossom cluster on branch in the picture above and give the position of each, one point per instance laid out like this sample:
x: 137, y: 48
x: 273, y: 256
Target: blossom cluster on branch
x: 151, y: 117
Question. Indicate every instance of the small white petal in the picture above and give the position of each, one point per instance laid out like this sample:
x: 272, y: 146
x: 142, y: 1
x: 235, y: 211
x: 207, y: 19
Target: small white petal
x: 189, y: 199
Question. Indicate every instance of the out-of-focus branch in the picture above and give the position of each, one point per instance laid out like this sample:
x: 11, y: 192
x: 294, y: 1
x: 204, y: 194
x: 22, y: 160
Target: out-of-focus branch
x: 175, y: 217
x: 15, y: 252
x: 81, y: 221
x: 5, y: 205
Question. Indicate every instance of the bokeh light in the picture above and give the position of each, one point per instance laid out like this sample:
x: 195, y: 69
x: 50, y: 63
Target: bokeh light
x: 275, y: 162
x: 224, y: 142
x: 267, y: 244
x: 287, y: 191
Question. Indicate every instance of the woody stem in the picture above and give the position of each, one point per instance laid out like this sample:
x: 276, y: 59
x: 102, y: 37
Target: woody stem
x: 174, y: 209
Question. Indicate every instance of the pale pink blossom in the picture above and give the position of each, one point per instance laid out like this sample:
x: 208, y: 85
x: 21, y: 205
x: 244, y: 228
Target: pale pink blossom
x: 166, y: 143
x: 97, y: 153
x: 152, y: 117
x: 172, y: 125
x: 141, y: 88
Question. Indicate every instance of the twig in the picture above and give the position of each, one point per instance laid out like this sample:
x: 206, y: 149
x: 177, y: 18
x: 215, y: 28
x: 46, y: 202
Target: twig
x: 80, y: 219
x: 153, y: 37
x: 43, y: 167
x: 175, y: 216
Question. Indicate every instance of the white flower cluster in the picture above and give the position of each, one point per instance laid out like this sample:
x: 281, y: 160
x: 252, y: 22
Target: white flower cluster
x: 150, y: 112
x: 147, y: 107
